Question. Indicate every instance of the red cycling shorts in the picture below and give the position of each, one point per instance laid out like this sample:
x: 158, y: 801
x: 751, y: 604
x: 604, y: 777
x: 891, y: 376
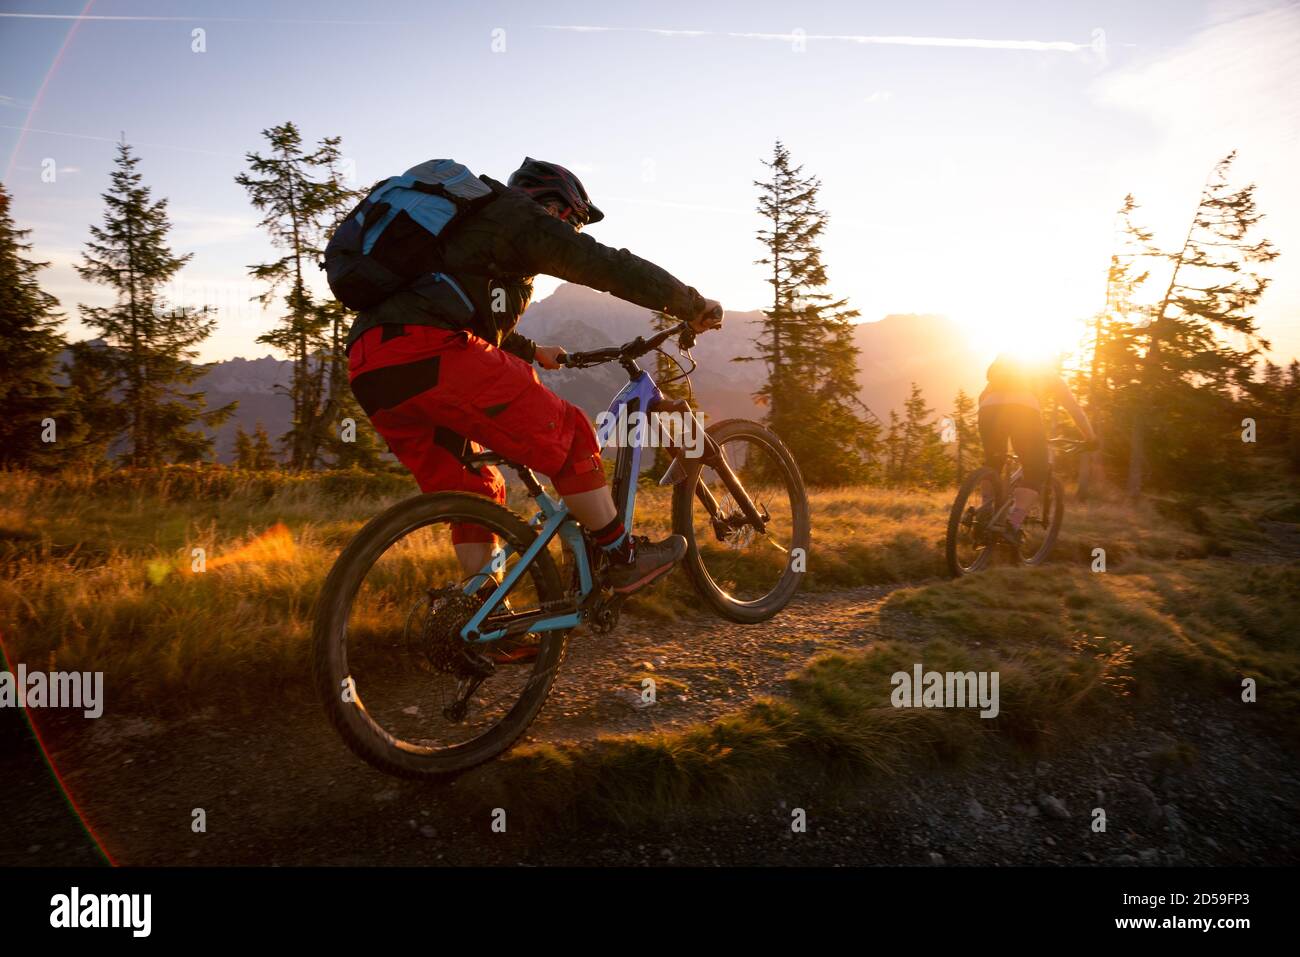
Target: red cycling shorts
x: 436, y: 395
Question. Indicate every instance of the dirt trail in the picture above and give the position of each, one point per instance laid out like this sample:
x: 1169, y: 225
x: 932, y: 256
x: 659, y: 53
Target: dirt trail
x: 267, y: 789
x: 283, y: 790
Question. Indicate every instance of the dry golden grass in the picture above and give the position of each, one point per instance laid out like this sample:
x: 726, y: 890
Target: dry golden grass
x: 94, y: 574
x: 95, y: 570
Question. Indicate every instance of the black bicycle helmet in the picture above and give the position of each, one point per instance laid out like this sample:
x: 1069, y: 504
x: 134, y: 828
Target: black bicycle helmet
x: 542, y: 181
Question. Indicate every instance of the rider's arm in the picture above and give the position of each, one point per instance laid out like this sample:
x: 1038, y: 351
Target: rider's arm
x: 555, y: 248
x: 520, y: 346
x: 1066, y: 398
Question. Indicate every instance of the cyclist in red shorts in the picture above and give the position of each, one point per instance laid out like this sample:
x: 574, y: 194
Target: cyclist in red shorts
x: 441, y: 372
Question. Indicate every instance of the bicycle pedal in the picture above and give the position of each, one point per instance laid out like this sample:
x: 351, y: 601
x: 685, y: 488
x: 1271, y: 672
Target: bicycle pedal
x: 604, y: 615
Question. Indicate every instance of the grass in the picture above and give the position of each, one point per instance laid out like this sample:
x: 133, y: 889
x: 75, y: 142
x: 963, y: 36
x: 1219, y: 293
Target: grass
x: 94, y: 575
x: 1071, y: 647
x: 94, y: 570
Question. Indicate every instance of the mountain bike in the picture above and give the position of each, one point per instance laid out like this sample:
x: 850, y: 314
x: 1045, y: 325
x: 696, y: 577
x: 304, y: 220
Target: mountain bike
x: 408, y: 651
x: 978, y: 526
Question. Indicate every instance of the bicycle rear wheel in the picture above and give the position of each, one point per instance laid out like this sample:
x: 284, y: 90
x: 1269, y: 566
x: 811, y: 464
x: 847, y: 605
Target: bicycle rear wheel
x: 1043, y: 524
x: 403, y: 689
x: 970, y: 543
x: 744, y: 574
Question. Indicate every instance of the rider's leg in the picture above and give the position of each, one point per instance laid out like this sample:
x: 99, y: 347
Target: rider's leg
x: 594, y: 509
x: 580, y: 481
x: 1029, y: 439
x: 412, y: 381
x: 474, y: 556
x: 993, y: 439
x: 439, y: 469
x: 391, y: 368
x: 1023, y: 501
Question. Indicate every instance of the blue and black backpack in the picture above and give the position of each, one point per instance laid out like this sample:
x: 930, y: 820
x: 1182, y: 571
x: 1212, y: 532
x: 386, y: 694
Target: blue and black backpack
x: 398, y: 232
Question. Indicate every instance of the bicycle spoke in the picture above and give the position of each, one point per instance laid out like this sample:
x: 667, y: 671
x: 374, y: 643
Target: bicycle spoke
x: 744, y: 561
x: 406, y: 676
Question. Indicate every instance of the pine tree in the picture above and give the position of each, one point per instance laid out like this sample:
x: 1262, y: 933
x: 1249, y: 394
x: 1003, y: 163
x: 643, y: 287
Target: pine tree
x: 1186, y: 370
x: 893, y: 449
x: 263, y: 455
x: 966, y: 435
x: 94, y: 416
x: 340, y: 200
x: 806, y: 338
x: 355, y: 443
x: 29, y: 345
x: 1291, y: 407
x: 1270, y: 398
x: 151, y: 347
x: 243, y: 449
x: 300, y: 194
x: 921, y: 456
x: 1112, y: 352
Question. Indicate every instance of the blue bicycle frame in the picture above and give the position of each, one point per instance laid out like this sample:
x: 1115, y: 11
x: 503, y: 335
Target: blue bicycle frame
x: 640, y: 394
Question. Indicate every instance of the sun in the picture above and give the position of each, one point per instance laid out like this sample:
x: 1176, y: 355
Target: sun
x: 1026, y: 331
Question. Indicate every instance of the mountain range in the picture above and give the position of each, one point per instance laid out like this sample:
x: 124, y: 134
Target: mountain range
x: 894, y: 352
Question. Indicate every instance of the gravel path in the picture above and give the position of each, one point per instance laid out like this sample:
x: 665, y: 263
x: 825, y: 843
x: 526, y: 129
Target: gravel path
x: 285, y: 791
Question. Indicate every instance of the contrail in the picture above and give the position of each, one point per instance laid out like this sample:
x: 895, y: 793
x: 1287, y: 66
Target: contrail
x: 201, y: 18
x: 1064, y: 46
x: 109, y: 139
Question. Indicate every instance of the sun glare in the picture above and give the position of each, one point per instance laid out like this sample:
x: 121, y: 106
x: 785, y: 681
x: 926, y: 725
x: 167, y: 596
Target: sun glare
x: 1022, y: 333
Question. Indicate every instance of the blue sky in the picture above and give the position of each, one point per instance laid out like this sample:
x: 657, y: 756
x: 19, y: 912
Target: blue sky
x: 977, y: 179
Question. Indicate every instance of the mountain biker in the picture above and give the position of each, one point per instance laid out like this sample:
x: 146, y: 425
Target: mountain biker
x: 1010, y: 408
x: 441, y: 372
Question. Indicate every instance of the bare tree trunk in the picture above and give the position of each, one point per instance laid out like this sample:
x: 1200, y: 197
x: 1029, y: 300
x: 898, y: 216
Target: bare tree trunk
x: 1090, y: 462
x: 1135, y: 456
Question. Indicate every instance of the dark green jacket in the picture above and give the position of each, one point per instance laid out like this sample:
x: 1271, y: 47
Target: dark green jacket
x: 493, y: 257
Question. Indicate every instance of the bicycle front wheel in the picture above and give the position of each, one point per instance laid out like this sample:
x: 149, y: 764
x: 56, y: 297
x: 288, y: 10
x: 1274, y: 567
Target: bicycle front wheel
x: 747, y: 572
x: 970, y: 542
x: 1043, y: 524
x: 400, y: 685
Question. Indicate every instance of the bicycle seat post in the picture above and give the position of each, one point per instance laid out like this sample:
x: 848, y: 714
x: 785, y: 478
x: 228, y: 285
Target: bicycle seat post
x: 486, y: 458
x: 527, y: 476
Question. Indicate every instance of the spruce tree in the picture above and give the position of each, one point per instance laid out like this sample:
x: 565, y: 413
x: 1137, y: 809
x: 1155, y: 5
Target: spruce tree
x: 299, y: 194
x: 921, y: 456
x: 805, y: 340
x: 893, y: 449
x: 263, y: 454
x: 243, y: 449
x: 95, y: 416
x: 354, y: 443
x: 1182, y: 417
x: 29, y: 346
x: 151, y: 346
x: 966, y: 437
x: 1111, y: 351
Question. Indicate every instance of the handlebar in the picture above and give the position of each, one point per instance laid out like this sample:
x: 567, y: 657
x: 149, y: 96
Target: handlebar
x: 1063, y: 443
x: 631, y: 351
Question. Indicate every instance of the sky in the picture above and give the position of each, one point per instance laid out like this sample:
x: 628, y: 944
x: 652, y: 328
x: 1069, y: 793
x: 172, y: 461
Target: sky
x: 972, y: 156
